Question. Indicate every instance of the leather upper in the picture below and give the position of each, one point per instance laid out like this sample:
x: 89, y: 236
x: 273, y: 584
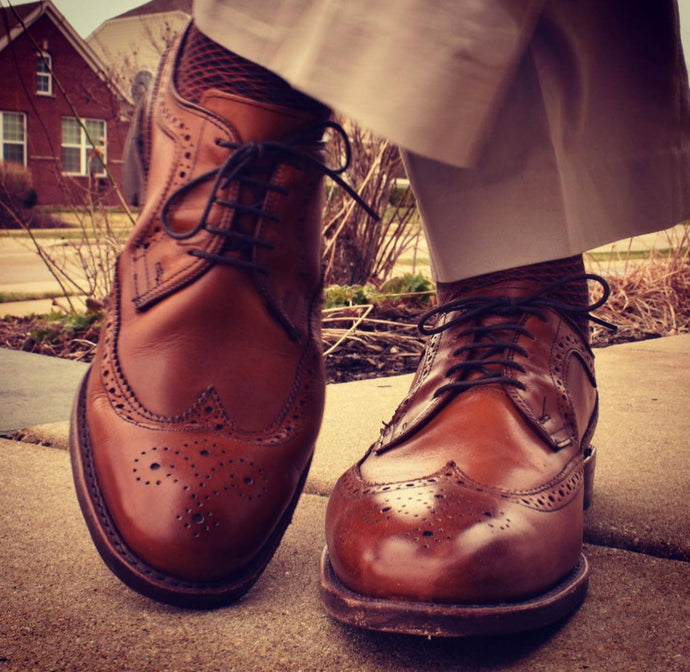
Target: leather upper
x: 474, y: 496
x: 206, y: 394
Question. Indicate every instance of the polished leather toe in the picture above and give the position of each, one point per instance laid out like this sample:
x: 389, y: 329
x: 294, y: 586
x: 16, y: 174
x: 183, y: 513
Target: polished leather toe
x: 444, y: 538
x: 195, y: 427
x: 198, y: 505
x: 474, y: 493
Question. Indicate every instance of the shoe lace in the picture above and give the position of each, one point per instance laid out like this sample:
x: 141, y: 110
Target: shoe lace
x: 245, y: 165
x: 491, y: 343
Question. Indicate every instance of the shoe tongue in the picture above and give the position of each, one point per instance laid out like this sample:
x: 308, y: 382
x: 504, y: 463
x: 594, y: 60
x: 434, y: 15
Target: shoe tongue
x: 255, y: 121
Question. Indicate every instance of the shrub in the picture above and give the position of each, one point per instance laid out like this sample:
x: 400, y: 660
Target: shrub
x: 359, y: 249
x: 16, y: 194
x: 410, y: 287
x: 349, y: 295
x: 410, y: 283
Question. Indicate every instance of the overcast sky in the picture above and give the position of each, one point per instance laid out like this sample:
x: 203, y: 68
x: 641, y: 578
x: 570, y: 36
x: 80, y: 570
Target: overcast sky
x: 86, y: 15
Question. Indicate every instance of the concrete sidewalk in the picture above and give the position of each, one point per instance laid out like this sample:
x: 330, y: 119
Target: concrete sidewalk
x: 63, y: 610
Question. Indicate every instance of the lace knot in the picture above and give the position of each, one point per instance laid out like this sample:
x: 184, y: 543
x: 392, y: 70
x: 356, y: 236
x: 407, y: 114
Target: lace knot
x: 491, y: 345
x: 247, y: 160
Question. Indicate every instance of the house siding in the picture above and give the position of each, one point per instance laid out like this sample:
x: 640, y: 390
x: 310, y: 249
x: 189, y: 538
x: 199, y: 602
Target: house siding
x: 91, y: 98
x: 135, y: 43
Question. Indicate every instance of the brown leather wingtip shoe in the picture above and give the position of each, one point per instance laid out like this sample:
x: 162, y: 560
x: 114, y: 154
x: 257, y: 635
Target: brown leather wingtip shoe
x: 194, y: 428
x: 466, y: 517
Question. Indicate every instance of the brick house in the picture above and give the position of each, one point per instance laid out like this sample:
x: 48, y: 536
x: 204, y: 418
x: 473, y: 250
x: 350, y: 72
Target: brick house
x: 50, y: 131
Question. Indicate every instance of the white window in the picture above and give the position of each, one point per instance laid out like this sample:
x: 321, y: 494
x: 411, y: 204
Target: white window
x: 13, y: 137
x: 79, y: 156
x: 44, y: 77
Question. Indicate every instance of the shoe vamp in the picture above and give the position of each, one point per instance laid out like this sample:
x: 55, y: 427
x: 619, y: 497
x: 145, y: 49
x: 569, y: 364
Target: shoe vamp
x: 215, y: 333
x: 484, y: 435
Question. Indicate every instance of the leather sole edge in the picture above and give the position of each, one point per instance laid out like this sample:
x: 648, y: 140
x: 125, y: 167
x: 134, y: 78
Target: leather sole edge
x: 452, y: 620
x: 133, y: 571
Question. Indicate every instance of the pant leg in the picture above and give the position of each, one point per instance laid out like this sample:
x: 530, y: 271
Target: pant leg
x: 592, y: 145
x: 533, y: 130
x: 427, y: 74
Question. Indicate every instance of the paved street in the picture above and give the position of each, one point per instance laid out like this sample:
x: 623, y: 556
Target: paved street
x: 21, y: 269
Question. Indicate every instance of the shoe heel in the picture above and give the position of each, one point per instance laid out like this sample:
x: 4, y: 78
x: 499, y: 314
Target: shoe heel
x: 590, y: 464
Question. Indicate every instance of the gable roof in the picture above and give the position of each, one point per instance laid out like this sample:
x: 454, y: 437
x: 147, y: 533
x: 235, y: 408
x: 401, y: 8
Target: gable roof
x: 136, y: 40
x: 11, y: 16
x: 14, y: 21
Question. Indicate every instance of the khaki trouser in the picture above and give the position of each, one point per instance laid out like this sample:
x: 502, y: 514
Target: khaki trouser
x: 531, y: 129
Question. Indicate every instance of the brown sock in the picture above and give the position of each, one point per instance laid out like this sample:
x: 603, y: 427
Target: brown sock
x: 542, y: 274
x: 205, y: 64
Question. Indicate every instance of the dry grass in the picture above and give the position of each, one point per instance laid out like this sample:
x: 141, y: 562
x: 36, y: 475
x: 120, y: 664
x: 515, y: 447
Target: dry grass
x: 373, y: 336
x: 371, y: 340
x: 650, y: 297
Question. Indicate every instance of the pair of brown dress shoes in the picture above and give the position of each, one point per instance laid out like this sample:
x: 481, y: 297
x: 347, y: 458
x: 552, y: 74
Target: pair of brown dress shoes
x: 193, y: 431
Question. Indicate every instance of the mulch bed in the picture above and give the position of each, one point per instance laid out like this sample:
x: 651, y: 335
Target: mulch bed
x: 374, y: 350
x: 44, y: 336
x: 365, y: 342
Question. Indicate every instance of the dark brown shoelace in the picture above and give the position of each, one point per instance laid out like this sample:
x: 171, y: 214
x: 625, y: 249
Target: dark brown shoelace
x: 246, y: 163
x: 491, y: 344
